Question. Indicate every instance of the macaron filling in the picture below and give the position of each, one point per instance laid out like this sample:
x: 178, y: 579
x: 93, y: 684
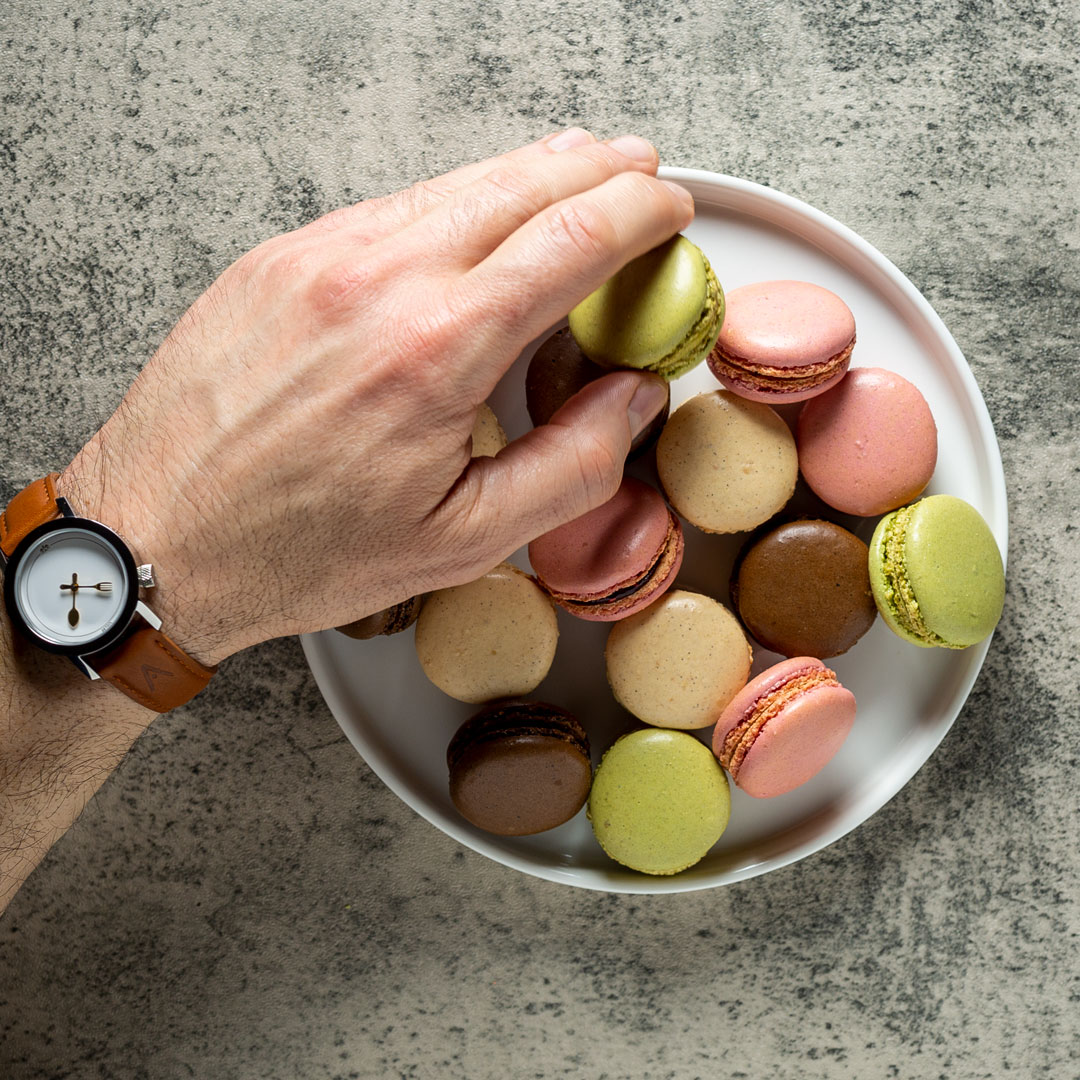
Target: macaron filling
x: 741, y: 737
x: 701, y: 337
x: 402, y: 616
x: 649, y: 580
x: 898, y: 594
x: 762, y: 377
x: 525, y: 720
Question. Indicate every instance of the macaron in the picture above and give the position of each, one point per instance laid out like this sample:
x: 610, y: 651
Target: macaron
x: 659, y: 801
x: 518, y: 768
x: 937, y: 574
x: 660, y: 313
x: 869, y: 445
x: 492, y: 638
x: 614, y: 560
x: 558, y: 370
x: 391, y: 620
x: 783, y: 341
x: 488, y: 437
x: 803, y: 589
x: 727, y: 464
x: 784, y: 727
x: 677, y: 663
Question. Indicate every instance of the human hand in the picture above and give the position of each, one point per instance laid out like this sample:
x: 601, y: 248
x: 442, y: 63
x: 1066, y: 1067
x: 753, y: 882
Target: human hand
x: 297, y: 452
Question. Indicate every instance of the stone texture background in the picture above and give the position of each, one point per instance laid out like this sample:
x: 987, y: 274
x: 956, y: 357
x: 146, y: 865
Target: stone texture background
x: 243, y: 898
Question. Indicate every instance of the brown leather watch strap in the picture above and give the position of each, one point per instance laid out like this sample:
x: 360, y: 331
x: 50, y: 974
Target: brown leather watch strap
x: 33, y: 506
x: 152, y: 669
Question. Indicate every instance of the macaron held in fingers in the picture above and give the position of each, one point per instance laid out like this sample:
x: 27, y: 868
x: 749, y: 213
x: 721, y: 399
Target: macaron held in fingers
x: 660, y: 313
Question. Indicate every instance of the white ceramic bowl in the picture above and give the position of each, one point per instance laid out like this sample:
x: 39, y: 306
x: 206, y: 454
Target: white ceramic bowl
x: 907, y: 697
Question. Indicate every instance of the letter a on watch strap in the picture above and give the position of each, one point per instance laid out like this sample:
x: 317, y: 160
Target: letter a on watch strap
x: 144, y: 663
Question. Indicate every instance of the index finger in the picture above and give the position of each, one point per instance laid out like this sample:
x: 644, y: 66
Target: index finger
x: 557, y: 258
x: 382, y: 216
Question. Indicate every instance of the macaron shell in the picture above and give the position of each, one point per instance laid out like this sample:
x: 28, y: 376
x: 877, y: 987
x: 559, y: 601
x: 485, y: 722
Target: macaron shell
x: 606, y: 548
x: 391, y: 620
x: 491, y: 638
x: 786, y: 324
x: 659, y: 801
x: 797, y: 743
x: 488, y: 437
x: 650, y: 589
x: 558, y: 370
x: 679, y: 662
x: 519, y: 785
x: 954, y: 567
x: 869, y: 445
x: 803, y: 589
x: 726, y: 464
x: 642, y: 314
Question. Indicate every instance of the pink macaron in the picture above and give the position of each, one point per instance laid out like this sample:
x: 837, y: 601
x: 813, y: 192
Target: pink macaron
x: 614, y: 560
x: 783, y: 727
x: 869, y: 445
x: 783, y: 341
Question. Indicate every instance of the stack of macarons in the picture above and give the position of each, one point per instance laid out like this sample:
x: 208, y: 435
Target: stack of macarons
x: 678, y: 660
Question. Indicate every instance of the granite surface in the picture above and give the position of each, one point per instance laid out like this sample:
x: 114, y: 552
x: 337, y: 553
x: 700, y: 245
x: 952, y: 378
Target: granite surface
x: 244, y: 898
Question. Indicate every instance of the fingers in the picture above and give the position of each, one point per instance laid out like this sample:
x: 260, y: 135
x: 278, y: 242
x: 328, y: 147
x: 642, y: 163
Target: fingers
x: 557, y: 258
x: 554, y: 473
x: 476, y: 219
x: 378, y: 218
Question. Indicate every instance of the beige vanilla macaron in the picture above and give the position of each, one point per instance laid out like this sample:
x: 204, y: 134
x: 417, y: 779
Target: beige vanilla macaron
x: 488, y: 437
x: 679, y: 662
x: 491, y: 638
x: 727, y: 464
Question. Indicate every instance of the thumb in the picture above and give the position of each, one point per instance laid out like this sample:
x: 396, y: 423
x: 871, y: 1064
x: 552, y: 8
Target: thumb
x: 557, y: 471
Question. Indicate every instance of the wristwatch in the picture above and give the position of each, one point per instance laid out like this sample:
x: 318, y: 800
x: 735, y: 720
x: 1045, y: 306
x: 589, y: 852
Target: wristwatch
x: 71, y: 586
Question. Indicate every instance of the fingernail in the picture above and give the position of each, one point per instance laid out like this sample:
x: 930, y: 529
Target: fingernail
x: 649, y: 398
x: 681, y: 193
x: 634, y: 148
x: 570, y: 138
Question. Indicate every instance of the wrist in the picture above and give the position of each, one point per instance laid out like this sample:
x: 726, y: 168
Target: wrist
x: 181, y: 597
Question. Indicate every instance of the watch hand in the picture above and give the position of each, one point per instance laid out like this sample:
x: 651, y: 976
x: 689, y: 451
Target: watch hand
x: 101, y: 586
x: 73, y: 615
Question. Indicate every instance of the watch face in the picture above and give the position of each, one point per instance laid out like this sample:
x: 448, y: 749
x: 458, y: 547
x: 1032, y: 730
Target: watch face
x: 72, y: 585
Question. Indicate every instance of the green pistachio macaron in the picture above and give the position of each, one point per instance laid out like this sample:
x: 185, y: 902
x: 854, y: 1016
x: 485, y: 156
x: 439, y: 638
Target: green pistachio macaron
x: 936, y: 573
x: 660, y: 313
x: 659, y: 801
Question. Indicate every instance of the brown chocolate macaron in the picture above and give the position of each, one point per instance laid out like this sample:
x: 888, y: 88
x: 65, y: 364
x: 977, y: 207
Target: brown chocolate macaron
x: 391, y: 620
x: 558, y: 370
x: 518, y: 768
x: 803, y: 589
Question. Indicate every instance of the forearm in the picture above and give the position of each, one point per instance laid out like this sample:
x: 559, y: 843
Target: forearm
x: 60, y: 737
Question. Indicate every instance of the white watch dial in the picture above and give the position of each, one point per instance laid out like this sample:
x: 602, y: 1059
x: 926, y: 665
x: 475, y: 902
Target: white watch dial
x: 71, y: 587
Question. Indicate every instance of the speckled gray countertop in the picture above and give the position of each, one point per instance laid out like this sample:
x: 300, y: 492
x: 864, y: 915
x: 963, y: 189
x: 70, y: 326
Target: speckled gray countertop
x: 244, y: 898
